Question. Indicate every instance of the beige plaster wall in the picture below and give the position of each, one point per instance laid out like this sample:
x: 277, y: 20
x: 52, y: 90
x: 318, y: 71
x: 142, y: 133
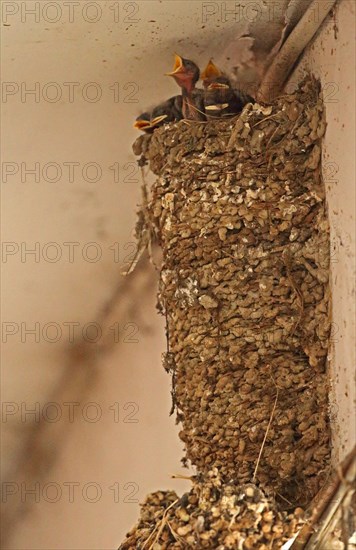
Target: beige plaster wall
x: 330, y: 58
x: 102, y: 461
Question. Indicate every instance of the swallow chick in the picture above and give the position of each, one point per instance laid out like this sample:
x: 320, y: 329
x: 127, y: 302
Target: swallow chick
x: 220, y: 98
x: 168, y: 111
x: 186, y: 73
x: 143, y: 122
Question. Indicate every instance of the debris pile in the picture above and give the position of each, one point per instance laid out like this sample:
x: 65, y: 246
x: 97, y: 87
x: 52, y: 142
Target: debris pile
x: 212, y: 515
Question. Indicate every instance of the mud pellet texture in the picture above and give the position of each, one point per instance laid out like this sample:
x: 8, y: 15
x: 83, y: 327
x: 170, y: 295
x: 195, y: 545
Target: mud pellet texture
x: 212, y: 515
x: 239, y: 211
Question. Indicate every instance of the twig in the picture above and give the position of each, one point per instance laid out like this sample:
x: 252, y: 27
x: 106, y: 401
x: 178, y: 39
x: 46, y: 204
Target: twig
x: 180, y: 476
x: 285, y: 499
x: 264, y: 119
x: 326, y: 504
x: 144, y: 237
x: 175, y: 535
x: 160, y: 525
x: 265, y: 437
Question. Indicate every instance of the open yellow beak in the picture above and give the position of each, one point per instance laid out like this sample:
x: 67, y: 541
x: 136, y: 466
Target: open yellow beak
x: 178, y: 66
x: 142, y: 124
x: 211, y: 71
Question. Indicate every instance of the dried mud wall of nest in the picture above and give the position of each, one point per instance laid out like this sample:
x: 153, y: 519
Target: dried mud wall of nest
x: 238, y: 209
x: 212, y: 515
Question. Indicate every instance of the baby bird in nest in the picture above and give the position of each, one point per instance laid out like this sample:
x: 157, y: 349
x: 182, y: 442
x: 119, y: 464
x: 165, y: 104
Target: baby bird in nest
x: 220, y: 98
x: 167, y: 111
x: 186, y: 73
x: 217, y: 99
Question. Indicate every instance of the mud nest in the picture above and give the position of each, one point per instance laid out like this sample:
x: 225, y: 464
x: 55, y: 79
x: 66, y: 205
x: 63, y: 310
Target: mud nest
x: 238, y: 209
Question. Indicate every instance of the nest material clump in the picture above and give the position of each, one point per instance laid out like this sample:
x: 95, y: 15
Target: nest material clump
x: 212, y: 515
x: 238, y: 209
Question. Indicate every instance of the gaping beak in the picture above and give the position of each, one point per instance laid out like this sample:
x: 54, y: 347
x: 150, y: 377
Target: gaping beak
x: 210, y: 72
x: 178, y: 66
x: 142, y: 124
x: 155, y: 121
